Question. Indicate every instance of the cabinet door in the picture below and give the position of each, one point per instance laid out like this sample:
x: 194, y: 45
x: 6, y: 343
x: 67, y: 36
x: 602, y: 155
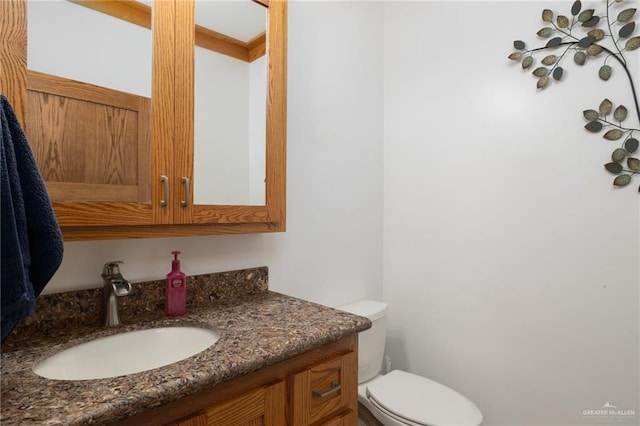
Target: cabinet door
x: 327, y: 392
x: 89, y: 122
x: 264, y: 406
x: 264, y: 53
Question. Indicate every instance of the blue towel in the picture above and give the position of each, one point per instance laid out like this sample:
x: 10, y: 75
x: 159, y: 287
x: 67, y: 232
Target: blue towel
x: 30, y: 236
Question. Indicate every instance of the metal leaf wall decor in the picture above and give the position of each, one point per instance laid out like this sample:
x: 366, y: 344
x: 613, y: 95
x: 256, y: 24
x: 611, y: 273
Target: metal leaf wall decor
x: 589, y: 35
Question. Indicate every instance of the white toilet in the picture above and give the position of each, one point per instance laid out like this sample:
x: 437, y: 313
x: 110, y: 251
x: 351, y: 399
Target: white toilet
x: 399, y: 398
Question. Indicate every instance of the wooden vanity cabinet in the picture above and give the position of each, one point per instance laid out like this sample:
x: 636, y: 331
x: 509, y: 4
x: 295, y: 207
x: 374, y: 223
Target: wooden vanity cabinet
x: 160, y: 201
x: 319, y: 387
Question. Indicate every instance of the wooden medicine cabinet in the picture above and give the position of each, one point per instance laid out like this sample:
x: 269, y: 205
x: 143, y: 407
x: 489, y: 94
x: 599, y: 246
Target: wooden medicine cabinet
x: 130, y: 134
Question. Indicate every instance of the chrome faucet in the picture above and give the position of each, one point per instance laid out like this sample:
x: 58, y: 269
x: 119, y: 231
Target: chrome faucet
x: 114, y: 286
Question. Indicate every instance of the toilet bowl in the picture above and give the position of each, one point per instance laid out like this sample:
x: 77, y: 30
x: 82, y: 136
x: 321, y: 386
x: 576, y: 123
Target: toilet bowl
x: 399, y: 398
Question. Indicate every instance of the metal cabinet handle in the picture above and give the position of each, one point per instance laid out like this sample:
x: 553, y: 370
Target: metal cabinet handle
x: 165, y: 191
x: 185, y: 187
x: 335, y: 387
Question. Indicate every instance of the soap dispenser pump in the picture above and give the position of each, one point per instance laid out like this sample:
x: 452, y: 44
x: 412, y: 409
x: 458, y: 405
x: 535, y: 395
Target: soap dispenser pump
x: 176, y: 288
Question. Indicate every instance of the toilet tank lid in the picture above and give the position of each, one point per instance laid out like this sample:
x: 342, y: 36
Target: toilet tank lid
x: 370, y: 309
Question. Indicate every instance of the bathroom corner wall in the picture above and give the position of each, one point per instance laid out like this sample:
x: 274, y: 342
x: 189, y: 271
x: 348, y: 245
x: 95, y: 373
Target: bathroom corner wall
x: 511, y: 264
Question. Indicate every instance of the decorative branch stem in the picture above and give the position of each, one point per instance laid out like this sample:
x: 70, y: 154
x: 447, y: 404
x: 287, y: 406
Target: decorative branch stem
x: 617, y: 58
x: 588, y: 46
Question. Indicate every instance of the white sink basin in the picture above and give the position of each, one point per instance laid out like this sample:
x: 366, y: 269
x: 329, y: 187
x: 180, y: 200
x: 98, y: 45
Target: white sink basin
x: 127, y: 353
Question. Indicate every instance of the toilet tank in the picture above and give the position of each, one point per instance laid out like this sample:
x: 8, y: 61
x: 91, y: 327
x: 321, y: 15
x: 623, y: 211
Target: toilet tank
x: 371, y: 342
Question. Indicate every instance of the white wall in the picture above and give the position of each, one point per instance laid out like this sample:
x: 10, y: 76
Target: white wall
x: 332, y: 250
x: 511, y: 265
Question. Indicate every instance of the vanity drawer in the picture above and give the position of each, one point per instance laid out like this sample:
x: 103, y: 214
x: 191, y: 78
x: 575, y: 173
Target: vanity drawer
x: 327, y: 391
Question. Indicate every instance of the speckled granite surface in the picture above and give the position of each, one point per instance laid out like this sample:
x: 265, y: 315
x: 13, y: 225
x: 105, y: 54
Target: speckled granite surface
x: 257, y: 328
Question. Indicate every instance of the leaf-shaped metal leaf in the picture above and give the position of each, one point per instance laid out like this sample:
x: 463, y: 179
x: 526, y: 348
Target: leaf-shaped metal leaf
x: 586, y: 41
x: 547, y: 15
x: 562, y: 21
x: 622, y: 180
x: 633, y: 164
x: 626, y: 14
x: 542, y: 82
x: 519, y: 44
x: 591, y: 22
x: 618, y: 155
x: 541, y: 72
x: 554, y: 42
x: 620, y: 113
x: 579, y: 57
x: 515, y: 56
x: 594, y: 50
x: 596, y: 33
x: 631, y: 145
x: 576, y: 7
x: 585, y: 15
x: 545, y: 32
x: 590, y: 114
x: 633, y: 43
x: 527, y: 62
x: 605, y: 107
x: 627, y: 29
x: 557, y: 73
x: 605, y: 72
x: 593, y: 126
x: 549, y: 59
x: 613, y: 135
x: 614, y: 168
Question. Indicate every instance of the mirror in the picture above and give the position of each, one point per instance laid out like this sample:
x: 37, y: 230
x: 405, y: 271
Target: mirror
x: 68, y: 40
x: 230, y: 103
x: 89, y: 103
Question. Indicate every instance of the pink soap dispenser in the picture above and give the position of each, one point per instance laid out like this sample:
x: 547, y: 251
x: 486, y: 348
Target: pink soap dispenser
x: 176, y: 288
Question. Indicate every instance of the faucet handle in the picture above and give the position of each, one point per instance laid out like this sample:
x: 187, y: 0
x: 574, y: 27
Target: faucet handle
x: 112, y: 268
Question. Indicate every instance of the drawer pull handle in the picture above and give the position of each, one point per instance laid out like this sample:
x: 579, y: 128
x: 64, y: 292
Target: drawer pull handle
x: 185, y: 187
x: 335, y: 387
x: 165, y: 191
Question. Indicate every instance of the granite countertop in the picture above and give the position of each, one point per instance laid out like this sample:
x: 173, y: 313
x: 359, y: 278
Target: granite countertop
x: 257, y: 329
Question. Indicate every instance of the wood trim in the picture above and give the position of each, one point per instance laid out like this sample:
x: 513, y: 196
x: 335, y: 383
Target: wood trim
x: 183, y: 117
x: 221, y: 43
x: 257, y: 47
x: 229, y: 214
x: 218, y: 42
x: 140, y: 14
x: 91, y: 192
x: 131, y: 11
x: 13, y: 55
x: 81, y: 232
x: 101, y: 214
x: 225, y: 391
x: 60, y: 86
x: 145, y: 124
x: 277, y: 113
x: 163, y: 109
